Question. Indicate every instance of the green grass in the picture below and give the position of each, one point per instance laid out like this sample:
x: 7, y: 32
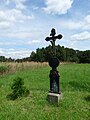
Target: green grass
x: 75, y: 88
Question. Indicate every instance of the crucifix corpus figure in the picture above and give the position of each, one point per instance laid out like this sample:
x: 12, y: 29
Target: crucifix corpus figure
x: 54, y: 63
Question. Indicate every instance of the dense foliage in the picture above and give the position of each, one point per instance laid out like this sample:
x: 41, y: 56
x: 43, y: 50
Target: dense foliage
x: 63, y: 54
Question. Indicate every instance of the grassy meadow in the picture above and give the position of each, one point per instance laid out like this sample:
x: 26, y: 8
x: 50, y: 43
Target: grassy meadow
x: 74, y: 85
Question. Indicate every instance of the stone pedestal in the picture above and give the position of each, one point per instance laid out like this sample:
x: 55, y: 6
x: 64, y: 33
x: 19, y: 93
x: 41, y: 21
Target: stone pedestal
x: 54, y: 98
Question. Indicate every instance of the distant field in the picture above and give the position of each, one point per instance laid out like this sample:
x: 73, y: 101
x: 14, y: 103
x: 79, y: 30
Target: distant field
x: 15, y: 66
x: 75, y: 88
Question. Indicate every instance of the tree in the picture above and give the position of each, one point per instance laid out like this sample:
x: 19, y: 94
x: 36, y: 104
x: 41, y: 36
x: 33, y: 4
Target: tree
x: 71, y: 55
x: 2, y: 59
x: 84, y: 56
x: 40, y: 55
x: 60, y: 53
x: 33, y: 56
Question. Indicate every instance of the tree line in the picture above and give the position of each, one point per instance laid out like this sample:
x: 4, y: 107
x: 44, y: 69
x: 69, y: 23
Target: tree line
x: 62, y: 53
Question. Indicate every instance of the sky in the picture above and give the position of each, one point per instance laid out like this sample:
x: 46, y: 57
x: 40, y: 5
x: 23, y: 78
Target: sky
x: 24, y: 25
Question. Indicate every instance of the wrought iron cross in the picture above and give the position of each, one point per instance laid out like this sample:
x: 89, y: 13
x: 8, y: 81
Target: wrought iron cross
x: 53, y: 38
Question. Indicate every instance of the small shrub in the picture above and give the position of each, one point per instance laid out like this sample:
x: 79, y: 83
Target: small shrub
x: 18, y: 88
x: 3, y: 69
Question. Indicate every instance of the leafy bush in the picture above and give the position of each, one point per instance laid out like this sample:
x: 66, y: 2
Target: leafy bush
x: 3, y: 69
x: 18, y: 88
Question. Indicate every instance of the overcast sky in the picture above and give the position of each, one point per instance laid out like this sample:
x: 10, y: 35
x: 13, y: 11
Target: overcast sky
x: 24, y: 25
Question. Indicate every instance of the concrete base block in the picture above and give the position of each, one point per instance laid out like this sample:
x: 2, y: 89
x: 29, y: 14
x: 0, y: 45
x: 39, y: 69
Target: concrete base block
x: 54, y: 98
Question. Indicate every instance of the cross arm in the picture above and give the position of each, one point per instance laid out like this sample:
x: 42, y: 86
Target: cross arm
x: 54, y: 37
x: 48, y: 38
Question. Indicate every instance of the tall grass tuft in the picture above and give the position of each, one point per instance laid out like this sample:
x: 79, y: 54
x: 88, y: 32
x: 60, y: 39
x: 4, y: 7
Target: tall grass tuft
x: 4, y: 69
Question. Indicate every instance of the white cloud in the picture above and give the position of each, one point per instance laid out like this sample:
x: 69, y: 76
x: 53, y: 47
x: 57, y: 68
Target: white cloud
x: 71, y: 24
x: 19, y: 4
x: 58, y: 6
x: 35, y: 8
x: 1, y: 52
x: 14, y: 53
x: 33, y: 42
x: 84, y: 24
x: 81, y: 36
x: 7, y: 43
x: 12, y: 15
x: 20, y: 35
x: 5, y: 24
x: 8, y: 15
x: 87, y: 18
x: 18, y: 53
x: 19, y: 42
x: 87, y: 22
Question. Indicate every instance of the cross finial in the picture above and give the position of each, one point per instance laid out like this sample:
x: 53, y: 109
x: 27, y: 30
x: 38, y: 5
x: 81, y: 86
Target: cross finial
x: 53, y: 38
x: 53, y: 32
